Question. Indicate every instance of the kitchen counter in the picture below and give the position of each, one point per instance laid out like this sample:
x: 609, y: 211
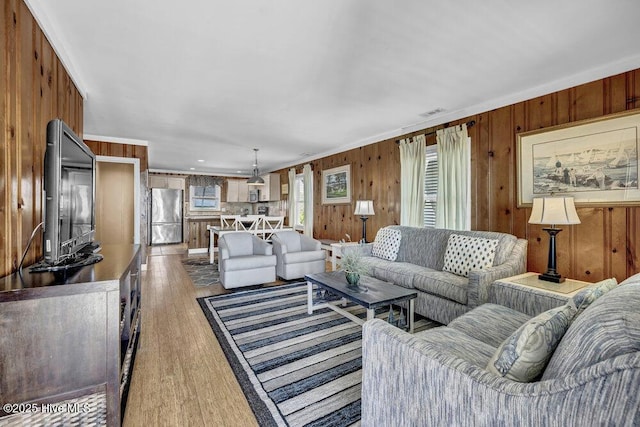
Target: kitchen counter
x: 198, y: 235
x: 202, y: 217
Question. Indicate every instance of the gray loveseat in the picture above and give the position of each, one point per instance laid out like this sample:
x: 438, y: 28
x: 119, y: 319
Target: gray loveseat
x: 441, y: 377
x: 443, y: 296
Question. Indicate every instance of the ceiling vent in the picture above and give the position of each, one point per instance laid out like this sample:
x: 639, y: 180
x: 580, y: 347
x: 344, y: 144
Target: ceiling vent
x: 433, y: 112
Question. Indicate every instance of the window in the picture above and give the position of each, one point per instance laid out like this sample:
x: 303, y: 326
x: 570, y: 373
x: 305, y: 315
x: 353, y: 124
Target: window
x: 430, y: 186
x: 299, y: 202
x: 204, y: 198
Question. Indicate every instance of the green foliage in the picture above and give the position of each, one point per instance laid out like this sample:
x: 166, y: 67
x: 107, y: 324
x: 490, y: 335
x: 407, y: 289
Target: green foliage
x: 351, y: 260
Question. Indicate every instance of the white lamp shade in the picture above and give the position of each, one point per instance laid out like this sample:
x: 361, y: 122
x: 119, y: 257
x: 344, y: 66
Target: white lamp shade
x: 364, y: 208
x: 553, y: 210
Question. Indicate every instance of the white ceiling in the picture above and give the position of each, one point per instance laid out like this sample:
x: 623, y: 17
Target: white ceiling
x: 298, y: 79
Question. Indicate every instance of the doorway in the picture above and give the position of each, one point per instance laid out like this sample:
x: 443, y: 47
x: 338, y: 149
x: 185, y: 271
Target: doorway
x: 117, y: 196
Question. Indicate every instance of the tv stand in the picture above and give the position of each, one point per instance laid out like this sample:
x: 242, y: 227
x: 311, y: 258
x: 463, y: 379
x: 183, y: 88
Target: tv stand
x: 79, y: 260
x: 69, y: 341
x: 90, y: 248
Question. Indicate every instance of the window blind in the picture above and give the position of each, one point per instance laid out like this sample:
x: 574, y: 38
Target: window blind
x: 430, y: 186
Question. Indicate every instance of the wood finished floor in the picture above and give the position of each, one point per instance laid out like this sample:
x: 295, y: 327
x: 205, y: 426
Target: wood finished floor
x: 180, y: 377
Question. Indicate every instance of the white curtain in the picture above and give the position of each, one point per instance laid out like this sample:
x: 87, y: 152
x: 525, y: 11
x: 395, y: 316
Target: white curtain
x: 412, y: 169
x: 453, y: 206
x: 307, y: 174
x: 292, y: 197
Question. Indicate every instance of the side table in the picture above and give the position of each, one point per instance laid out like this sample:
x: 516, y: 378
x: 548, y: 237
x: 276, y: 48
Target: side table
x: 530, y: 295
x: 336, y: 252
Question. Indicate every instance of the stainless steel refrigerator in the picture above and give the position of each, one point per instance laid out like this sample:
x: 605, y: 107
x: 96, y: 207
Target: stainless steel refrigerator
x: 166, y: 216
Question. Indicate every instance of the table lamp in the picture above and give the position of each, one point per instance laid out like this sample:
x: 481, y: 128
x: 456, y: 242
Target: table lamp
x: 364, y: 208
x: 553, y: 211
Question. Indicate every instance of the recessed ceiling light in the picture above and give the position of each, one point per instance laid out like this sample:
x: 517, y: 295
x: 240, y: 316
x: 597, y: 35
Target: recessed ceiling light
x: 192, y: 169
x: 238, y: 171
x: 201, y: 161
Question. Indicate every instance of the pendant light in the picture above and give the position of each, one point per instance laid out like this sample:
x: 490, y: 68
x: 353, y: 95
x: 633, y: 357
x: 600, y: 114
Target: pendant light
x: 255, y: 178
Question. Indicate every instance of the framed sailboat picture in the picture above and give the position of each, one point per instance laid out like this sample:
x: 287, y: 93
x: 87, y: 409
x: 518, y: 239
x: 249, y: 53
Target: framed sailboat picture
x: 595, y: 161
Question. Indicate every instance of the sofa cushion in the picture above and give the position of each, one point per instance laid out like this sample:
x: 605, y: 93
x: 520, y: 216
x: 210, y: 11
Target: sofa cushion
x: 371, y: 262
x: 238, y: 244
x: 490, y: 323
x: 422, y: 246
x: 387, y: 243
x: 249, y: 262
x: 442, y: 283
x: 608, y: 328
x: 523, y: 356
x: 465, y: 253
x: 289, y: 239
x: 456, y: 344
x: 506, y: 242
x: 306, y: 256
x: 587, y: 296
x: 425, y: 246
x: 399, y: 273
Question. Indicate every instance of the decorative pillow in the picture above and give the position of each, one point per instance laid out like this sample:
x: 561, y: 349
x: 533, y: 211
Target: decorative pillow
x: 386, y: 244
x: 585, y: 297
x: 524, y: 355
x: 465, y: 253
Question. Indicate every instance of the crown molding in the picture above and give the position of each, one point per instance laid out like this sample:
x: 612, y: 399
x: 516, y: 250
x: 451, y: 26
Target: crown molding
x: 115, y: 140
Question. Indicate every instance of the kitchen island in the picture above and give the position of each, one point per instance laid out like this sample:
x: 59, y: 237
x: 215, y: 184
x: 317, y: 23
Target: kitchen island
x: 198, y: 233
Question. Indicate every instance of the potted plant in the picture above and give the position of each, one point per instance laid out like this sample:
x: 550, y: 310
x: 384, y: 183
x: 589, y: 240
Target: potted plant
x: 352, y: 265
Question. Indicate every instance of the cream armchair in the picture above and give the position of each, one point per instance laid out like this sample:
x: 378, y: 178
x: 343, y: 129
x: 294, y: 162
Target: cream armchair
x: 297, y: 255
x: 245, y: 260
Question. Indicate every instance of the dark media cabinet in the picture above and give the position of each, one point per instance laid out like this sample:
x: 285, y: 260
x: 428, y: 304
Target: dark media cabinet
x: 67, y: 344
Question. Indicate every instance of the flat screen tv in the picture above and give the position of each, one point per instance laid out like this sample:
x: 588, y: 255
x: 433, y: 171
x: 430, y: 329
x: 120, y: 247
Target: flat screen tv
x: 69, y: 199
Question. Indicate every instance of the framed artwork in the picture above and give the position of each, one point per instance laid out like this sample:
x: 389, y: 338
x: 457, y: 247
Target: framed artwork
x: 336, y: 185
x: 594, y: 161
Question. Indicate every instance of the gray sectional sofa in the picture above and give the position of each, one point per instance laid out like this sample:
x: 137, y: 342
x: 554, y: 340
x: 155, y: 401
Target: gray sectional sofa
x: 443, y: 376
x: 442, y: 295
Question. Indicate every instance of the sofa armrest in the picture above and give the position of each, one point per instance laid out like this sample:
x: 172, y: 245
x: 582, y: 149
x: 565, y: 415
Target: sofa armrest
x: 480, y: 280
x: 223, y: 250
x: 260, y: 247
x: 405, y: 382
x: 309, y: 244
x: 278, y: 247
x: 223, y: 254
x: 364, y: 248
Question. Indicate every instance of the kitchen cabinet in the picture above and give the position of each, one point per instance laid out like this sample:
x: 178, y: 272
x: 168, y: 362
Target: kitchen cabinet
x: 237, y: 190
x: 159, y: 181
x: 175, y: 183
x: 270, y: 191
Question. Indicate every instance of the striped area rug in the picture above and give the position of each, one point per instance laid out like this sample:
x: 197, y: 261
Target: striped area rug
x: 295, y: 369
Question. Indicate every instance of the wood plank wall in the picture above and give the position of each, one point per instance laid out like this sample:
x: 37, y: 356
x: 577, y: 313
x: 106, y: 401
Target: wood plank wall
x: 375, y: 175
x: 35, y: 89
x: 605, y: 244
x: 129, y: 151
x: 198, y: 233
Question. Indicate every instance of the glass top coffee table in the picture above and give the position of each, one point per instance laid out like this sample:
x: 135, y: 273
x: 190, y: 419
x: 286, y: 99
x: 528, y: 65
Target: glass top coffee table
x: 377, y: 294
